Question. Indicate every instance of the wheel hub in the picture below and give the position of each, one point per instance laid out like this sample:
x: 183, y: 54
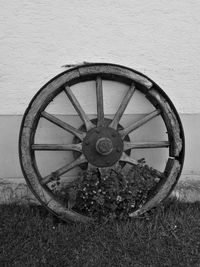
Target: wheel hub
x: 102, y: 146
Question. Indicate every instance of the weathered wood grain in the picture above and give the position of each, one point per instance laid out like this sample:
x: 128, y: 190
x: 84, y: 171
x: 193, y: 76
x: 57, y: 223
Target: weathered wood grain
x: 96, y: 72
x: 100, y: 102
x: 122, y: 107
x: 171, y: 123
x: 140, y: 145
x: 114, y: 70
x: 88, y: 124
x: 62, y: 147
x: 63, y: 125
x: 139, y: 123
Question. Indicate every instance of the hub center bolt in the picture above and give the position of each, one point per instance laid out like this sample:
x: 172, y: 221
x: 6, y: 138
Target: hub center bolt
x: 104, y: 146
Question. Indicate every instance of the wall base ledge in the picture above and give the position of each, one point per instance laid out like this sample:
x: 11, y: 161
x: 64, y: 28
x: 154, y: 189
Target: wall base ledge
x: 15, y: 190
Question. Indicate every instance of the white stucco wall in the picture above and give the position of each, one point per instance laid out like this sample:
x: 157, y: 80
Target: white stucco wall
x: 159, y: 38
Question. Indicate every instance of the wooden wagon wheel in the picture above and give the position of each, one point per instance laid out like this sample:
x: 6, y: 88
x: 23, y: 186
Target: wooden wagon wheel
x: 101, y: 142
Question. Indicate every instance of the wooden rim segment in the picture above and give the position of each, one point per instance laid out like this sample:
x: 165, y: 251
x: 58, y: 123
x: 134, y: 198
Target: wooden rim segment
x: 98, y: 72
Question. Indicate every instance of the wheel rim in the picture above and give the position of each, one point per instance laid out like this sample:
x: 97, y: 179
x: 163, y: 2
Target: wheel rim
x: 104, y: 143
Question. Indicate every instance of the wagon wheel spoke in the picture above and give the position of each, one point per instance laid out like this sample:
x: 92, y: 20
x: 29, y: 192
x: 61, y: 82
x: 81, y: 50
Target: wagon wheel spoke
x: 63, y: 170
x: 128, y: 159
x: 100, y: 106
x: 123, y: 106
x: 90, y: 167
x: 63, y: 125
x: 59, y: 147
x: 140, y: 145
x: 111, y: 143
x: 88, y: 124
x: 104, y: 171
x: 139, y: 123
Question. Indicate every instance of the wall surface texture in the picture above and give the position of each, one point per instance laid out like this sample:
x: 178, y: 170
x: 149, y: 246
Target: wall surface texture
x: 159, y: 38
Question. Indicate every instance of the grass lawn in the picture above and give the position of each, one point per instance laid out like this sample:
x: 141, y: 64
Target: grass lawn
x: 167, y: 236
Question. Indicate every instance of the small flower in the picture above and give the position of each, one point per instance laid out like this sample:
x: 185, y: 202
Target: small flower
x: 119, y: 198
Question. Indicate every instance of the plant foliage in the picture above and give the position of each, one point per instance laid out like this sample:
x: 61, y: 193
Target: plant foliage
x: 113, y: 192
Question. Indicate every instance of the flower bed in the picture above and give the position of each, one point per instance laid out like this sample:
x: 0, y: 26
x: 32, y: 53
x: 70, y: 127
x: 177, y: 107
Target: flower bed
x: 113, y: 194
